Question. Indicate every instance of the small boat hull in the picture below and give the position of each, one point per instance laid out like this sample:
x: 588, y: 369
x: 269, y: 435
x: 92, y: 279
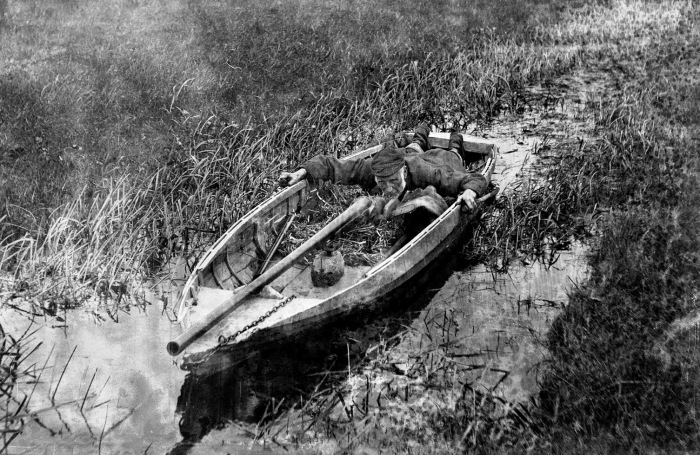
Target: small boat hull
x: 232, y: 262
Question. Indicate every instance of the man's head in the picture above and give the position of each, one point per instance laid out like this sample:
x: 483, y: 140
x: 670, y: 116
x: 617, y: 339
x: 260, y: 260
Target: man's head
x: 389, y: 169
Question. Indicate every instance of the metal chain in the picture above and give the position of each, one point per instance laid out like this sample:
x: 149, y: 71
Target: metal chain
x: 223, y: 341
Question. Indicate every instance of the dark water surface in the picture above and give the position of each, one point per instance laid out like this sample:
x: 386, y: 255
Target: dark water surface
x: 114, y: 389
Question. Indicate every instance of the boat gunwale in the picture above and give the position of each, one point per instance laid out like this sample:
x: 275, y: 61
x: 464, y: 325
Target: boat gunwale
x: 275, y: 199
x: 214, y: 251
x: 428, y: 230
x: 272, y: 201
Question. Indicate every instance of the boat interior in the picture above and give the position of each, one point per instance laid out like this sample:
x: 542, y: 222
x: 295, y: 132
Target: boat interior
x: 252, y: 247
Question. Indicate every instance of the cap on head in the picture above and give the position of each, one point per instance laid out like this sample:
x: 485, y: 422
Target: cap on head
x: 388, y: 162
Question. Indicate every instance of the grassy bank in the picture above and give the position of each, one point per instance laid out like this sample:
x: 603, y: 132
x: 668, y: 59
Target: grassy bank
x: 153, y: 129
x: 91, y: 89
x: 606, y: 383
x: 164, y: 157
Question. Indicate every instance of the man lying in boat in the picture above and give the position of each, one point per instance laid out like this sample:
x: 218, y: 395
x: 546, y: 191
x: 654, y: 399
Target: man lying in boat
x: 403, y: 173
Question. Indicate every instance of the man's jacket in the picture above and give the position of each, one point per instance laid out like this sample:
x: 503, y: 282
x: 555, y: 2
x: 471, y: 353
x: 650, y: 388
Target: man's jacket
x: 441, y: 168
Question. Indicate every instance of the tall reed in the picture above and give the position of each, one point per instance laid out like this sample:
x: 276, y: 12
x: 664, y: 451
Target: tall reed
x: 221, y: 170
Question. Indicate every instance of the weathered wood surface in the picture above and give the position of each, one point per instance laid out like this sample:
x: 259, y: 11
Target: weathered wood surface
x: 355, y: 211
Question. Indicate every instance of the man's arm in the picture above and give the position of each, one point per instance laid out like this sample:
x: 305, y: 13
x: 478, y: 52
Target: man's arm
x: 292, y: 178
x: 475, y: 182
x: 344, y: 172
x: 474, y: 185
x: 447, y: 180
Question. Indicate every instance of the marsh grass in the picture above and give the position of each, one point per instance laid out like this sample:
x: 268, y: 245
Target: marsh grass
x: 220, y: 169
x: 119, y: 153
x: 530, y: 224
x: 605, y: 385
x: 604, y: 379
x: 88, y: 88
x: 15, y: 369
x: 85, y: 244
x: 634, y: 183
x: 428, y: 400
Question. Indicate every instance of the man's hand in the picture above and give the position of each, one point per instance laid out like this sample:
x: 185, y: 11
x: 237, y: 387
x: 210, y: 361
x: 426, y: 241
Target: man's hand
x: 291, y: 178
x: 468, y: 198
x: 376, y: 211
x: 389, y: 207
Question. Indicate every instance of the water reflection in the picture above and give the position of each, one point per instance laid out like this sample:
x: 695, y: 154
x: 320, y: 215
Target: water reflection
x: 100, y: 385
x: 110, y: 386
x: 105, y: 383
x: 223, y: 391
x: 242, y: 392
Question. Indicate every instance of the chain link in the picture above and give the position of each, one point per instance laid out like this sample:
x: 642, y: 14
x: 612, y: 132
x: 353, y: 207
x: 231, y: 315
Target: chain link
x: 223, y: 341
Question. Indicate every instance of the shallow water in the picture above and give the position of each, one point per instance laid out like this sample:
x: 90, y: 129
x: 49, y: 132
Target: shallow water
x: 119, y: 373
x: 134, y: 398
x: 111, y: 386
x: 499, y: 321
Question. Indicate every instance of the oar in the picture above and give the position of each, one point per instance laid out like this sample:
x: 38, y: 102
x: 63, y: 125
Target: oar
x: 360, y: 208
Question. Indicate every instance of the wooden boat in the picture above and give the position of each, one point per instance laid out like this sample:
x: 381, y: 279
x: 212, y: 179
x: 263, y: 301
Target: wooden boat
x: 220, y: 305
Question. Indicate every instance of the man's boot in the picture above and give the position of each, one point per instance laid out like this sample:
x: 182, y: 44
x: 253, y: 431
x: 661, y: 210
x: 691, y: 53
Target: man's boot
x: 420, y: 139
x: 456, y: 145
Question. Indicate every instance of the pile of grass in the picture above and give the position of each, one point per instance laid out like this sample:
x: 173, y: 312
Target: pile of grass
x: 362, y: 243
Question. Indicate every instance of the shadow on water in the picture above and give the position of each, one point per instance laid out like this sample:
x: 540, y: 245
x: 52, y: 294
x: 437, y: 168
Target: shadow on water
x: 221, y: 391
x: 106, y: 382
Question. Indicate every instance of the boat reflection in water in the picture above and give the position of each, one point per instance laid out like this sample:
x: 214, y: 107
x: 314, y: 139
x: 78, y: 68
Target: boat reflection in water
x: 241, y: 393
x: 239, y: 386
